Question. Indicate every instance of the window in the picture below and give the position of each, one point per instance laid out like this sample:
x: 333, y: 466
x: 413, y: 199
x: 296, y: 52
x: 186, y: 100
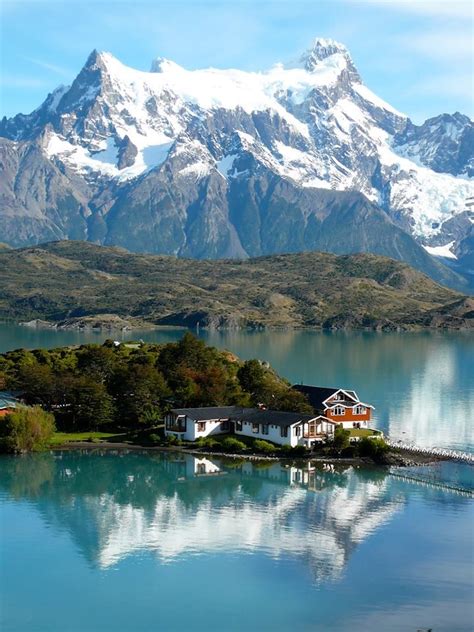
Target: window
x: 255, y: 428
x: 225, y: 425
x: 201, y: 427
x: 359, y: 410
x: 201, y: 468
x: 284, y: 431
x: 176, y: 424
x: 297, y: 431
x: 265, y: 429
x: 339, y: 410
x: 311, y: 429
x: 238, y: 425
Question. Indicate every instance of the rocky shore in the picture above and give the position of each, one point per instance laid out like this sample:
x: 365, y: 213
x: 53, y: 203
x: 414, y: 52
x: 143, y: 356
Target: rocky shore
x: 394, y: 458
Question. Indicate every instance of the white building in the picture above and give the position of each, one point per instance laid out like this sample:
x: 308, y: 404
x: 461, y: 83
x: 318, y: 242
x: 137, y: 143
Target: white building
x: 282, y: 428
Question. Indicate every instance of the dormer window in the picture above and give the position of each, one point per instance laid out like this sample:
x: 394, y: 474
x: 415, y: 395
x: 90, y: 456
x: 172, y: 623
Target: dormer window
x: 339, y: 410
x: 359, y: 410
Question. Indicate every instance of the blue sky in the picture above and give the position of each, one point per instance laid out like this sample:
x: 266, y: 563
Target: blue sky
x: 416, y: 54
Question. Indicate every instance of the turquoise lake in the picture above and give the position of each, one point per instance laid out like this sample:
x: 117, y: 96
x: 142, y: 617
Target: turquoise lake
x: 133, y: 542
x: 124, y: 542
x: 421, y: 384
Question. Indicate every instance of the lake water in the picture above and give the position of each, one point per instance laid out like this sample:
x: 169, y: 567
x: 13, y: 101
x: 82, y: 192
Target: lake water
x: 132, y: 542
x: 421, y: 384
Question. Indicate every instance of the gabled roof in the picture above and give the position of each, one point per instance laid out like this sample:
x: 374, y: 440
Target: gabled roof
x: 316, y: 394
x: 237, y: 413
x: 328, y: 421
x: 272, y: 417
x: 209, y: 412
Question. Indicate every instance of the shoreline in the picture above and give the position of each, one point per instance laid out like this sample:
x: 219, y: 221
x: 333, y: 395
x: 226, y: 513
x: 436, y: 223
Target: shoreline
x: 394, y: 459
x: 139, y: 325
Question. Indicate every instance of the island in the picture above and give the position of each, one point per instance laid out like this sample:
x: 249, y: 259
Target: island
x: 184, y: 396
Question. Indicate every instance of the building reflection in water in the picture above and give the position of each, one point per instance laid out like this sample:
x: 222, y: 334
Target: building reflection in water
x: 115, y: 506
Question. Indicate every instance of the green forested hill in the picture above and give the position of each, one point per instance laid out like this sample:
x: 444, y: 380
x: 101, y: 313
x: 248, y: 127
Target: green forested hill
x: 70, y: 282
x: 132, y: 385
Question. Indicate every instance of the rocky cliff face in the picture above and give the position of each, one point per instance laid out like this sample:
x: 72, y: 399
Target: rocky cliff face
x: 215, y: 163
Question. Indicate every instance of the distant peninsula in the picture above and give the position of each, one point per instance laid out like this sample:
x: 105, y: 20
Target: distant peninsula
x: 79, y: 284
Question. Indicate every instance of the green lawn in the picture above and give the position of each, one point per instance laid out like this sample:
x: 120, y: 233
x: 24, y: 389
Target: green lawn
x: 363, y: 432
x: 135, y: 437
x: 64, y: 437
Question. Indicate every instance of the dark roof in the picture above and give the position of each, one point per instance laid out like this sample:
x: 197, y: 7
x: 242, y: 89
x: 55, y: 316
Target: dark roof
x: 274, y: 417
x: 318, y: 394
x: 315, y: 394
x: 209, y: 412
x: 237, y: 413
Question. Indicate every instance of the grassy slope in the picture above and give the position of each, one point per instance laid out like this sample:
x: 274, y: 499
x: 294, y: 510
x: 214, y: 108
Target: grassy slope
x: 60, y: 438
x: 74, y: 279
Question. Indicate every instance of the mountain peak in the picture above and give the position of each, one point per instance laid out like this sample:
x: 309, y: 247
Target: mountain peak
x: 323, y: 47
x: 98, y: 60
x: 321, y: 50
x: 161, y: 64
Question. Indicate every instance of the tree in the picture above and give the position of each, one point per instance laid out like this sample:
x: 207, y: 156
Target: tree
x: 97, y: 361
x: 189, y: 352
x: 26, y: 429
x: 3, y: 380
x: 251, y: 376
x: 139, y: 392
x: 85, y: 403
x: 37, y: 383
x: 212, y: 387
x: 341, y: 439
x: 289, y: 399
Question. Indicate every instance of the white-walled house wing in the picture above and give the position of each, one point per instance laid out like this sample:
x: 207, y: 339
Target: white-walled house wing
x: 283, y: 428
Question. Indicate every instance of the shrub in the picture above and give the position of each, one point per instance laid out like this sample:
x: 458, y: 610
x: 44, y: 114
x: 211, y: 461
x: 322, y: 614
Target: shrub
x: 298, y: 450
x: 26, y: 430
x: 154, y: 438
x: 264, y: 446
x: 233, y: 445
x: 173, y: 440
x: 373, y: 448
x: 207, y: 442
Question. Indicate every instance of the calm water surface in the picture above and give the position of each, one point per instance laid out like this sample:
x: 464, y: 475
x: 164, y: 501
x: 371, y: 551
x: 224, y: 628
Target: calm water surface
x: 422, y: 384
x: 131, y: 542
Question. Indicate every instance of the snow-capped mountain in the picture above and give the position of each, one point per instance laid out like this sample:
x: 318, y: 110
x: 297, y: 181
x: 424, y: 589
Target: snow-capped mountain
x: 212, y: 163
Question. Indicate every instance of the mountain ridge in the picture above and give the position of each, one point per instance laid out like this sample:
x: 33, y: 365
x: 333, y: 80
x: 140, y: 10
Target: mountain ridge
x: 76, y: 283
x: 171, y: 161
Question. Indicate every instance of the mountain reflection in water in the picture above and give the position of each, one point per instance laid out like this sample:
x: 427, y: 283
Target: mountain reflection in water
x: 179, y: 505
x: 136, y: 541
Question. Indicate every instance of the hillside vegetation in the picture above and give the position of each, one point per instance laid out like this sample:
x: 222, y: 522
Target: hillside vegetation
x: 132, y: 385
x: 78, y: 283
